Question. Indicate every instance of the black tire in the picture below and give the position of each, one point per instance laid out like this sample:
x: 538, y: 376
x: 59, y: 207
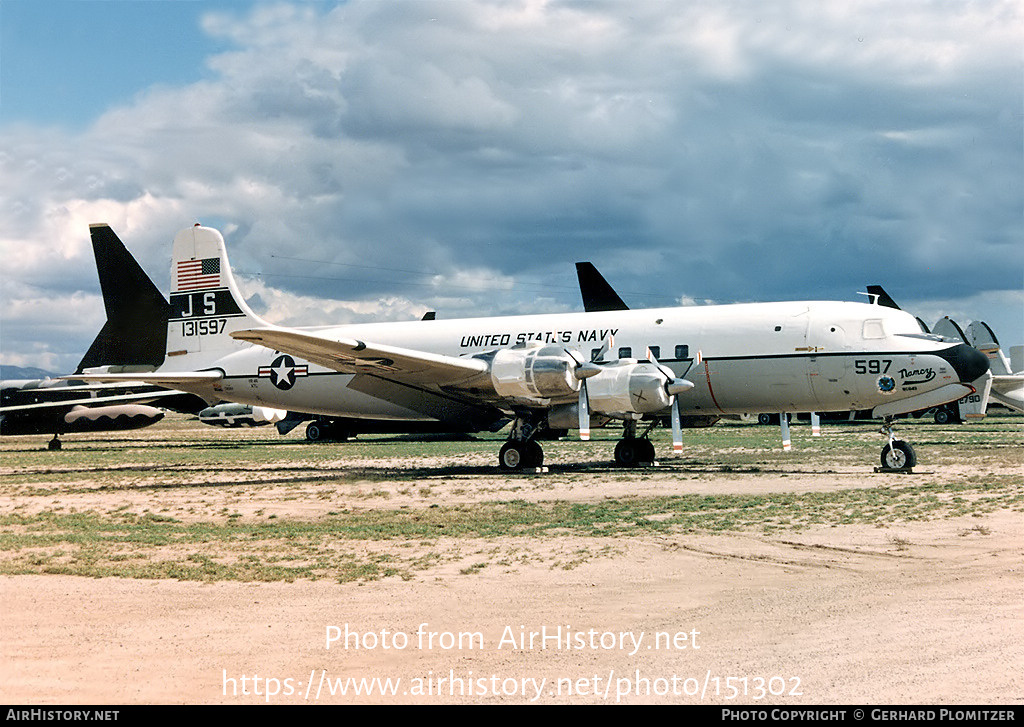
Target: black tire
x: 943, y: 416
x: 54, y: 445
x: 898, y: 456
x: 512, y: 456
x: 534, y: 454
x: 764, y: 419
x: 634, y: 452
x: 515, y: 456
x: 315, y: 432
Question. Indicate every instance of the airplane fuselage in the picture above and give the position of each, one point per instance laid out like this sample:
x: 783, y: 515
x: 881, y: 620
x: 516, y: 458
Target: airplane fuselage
x: 744, y: 358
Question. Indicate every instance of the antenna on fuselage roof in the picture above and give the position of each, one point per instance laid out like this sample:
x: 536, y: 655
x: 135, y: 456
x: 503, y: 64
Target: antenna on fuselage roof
x: 880, y: 297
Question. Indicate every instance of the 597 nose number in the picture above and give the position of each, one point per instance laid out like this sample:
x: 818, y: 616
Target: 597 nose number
x: 872, y: 366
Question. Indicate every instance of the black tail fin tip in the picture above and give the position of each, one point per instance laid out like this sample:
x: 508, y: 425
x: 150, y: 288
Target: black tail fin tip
x: 135, y: 333
x: 598, y: 295
x: 881, y: 297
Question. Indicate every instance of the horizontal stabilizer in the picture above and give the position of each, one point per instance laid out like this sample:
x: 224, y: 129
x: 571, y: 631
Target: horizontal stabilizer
x: 169, y: 379
x: 148, y: 396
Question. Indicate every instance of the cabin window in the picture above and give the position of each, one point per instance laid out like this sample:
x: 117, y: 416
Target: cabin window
x: 682, y: 352
x: 655, y: 351
x: 625, y: 352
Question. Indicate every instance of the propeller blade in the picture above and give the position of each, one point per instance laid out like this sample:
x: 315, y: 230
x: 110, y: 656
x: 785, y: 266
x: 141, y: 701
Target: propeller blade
x: 677, y: 428
x: 606, y: 346
x: 672, y: 385
x: 584, y: 413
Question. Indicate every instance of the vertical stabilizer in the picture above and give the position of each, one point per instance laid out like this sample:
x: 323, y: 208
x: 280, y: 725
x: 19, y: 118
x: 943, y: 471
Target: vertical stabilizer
x: 135, y: 333
x: 597, y: 294
x: 948, y: 328
x: 983, y: 339
x: 206, y: 305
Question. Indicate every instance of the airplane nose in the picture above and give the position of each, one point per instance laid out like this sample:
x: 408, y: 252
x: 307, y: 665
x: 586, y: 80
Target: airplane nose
x: 969, y: 363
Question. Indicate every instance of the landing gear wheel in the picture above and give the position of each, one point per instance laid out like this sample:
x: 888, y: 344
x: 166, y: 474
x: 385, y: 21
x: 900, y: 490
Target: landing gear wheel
x: 898, y: 455
x: 534, y: 454
x: 631, y: 452
x: 946, y: 416
x: 520, y: 455
x: 315, y: 432
x: 325, y: 430
x: 54, y: 444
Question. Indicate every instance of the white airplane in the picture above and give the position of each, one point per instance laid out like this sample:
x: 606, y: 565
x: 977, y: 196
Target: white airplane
x: 555, y: 371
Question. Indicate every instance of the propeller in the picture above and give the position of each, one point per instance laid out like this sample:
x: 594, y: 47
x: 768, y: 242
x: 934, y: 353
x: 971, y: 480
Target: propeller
x: 673, y: 386
x: 584, y: 370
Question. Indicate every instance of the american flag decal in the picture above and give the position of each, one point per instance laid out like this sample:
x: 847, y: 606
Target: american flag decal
x: 198, y: 274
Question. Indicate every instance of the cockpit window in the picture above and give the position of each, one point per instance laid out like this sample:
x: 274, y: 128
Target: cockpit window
x: 874, y: 329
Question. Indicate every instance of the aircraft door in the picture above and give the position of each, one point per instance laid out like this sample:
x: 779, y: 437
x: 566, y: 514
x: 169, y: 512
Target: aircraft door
x: 828, y: 367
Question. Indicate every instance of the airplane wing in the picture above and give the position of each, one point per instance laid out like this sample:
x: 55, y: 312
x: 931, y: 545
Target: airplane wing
x: 1008, y: 389
x: 168, y: 380
x: 91, y: 401
x: 348, y: 355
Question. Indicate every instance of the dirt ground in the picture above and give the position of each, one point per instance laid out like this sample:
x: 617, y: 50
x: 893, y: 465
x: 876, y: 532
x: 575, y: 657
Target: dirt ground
x: 928, y: 612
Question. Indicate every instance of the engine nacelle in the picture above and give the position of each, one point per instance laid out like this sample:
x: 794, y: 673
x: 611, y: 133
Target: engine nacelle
x: 628, y: 387
x: 534, y: 374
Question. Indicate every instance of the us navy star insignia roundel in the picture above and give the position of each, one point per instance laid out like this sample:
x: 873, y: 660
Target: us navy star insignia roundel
x: 282, y: 372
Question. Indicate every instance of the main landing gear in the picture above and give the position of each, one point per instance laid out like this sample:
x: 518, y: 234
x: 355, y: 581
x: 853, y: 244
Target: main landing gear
x: 325, y: 430
x: 523, y: 452
x: 897, y: 455
x: 631, y: 450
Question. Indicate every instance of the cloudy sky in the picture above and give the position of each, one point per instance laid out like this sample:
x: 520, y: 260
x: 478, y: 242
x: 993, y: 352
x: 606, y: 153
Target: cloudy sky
x: 372, y: 160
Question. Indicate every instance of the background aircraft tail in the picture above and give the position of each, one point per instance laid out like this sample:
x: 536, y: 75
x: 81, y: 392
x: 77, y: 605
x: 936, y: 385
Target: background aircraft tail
x: 135, y: 334
x: 597, y: 294
x: 206, y: 305
x: 983, y: 339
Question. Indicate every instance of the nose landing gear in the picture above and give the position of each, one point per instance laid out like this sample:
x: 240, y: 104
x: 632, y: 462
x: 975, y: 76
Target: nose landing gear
x: 897, y: 455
